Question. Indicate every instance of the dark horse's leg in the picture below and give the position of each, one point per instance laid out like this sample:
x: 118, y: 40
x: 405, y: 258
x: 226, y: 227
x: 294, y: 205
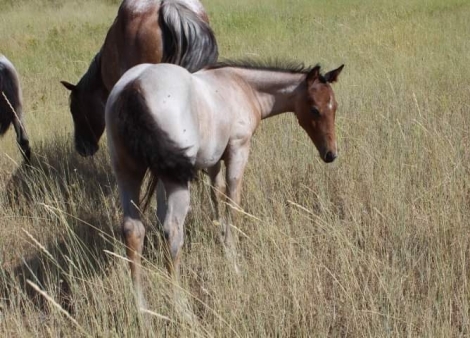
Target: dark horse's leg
x: 22, y: 138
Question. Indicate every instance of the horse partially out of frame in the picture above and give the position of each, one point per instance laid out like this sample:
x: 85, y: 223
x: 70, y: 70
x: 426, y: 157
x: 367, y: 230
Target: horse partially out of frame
x: 11, y: 107
x: 150, y: 31
x: 166, y: 120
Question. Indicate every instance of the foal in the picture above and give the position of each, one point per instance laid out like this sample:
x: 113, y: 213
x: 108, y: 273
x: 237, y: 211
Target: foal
x: 166, y: 120
x: 11, y: 107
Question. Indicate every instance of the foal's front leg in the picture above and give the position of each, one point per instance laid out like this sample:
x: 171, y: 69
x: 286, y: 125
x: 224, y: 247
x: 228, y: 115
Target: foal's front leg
x: 217, y: 190
x: 236, y: 163
x: 173, y: 227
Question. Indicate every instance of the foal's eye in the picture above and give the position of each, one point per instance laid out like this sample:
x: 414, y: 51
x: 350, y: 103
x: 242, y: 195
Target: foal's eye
x: 315, y: 112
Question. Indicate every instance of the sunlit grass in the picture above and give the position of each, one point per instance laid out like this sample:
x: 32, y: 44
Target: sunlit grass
x: 375, y: 244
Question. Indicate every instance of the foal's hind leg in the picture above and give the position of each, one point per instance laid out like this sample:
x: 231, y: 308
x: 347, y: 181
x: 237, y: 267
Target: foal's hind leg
x: 129, y: 183
x: 173, y: 227
x: 22, y: 137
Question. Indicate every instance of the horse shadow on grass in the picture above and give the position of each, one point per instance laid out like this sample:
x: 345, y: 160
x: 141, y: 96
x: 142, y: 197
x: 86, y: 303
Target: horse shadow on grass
x: 74, y: 200
x: 60, y: 189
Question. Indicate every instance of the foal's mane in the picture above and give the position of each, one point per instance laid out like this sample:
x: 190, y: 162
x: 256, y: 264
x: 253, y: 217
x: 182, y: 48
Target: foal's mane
x: 267, y: 65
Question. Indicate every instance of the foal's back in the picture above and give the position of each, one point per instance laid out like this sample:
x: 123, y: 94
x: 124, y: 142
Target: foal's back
x: 199, y: 112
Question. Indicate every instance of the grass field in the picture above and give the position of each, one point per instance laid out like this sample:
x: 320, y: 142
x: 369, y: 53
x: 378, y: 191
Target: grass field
x: 376, y: 244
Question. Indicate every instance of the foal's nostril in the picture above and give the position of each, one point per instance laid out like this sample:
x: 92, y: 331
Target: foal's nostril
x: 330, y: 157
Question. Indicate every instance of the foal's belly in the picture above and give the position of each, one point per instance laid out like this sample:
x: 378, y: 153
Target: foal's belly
x: 209, y: 156
x: 210, y: 153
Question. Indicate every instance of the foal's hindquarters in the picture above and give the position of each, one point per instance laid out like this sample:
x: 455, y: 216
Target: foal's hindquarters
x: 138, y: 141
x: 11, y: 108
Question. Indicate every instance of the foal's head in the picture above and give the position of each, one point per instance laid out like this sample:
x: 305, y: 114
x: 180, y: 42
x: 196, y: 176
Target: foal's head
x: 316, y: 112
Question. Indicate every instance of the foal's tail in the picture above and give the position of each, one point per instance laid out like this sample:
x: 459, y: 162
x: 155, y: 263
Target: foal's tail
x: 188, y: 40
x: 148, y: 144
x: 10, y: 96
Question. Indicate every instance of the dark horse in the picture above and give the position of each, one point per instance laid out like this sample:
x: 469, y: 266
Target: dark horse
x: 11, y: 107
x: 169, y: 31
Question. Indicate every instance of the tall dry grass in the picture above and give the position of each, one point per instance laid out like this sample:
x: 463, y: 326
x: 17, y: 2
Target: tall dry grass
x: 375, y: 244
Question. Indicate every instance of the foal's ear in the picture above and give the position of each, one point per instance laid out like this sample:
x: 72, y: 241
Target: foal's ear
x: 314, y: 74
x: 333, y: 75
x: 68, y: 85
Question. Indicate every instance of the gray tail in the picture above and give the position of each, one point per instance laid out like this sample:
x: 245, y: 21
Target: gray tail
x: 148, y: 144
x: 188, y: 40
x: 9, y: 88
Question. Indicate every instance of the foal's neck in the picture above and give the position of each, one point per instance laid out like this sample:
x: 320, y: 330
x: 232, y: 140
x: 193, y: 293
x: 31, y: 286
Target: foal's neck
x: 277, y: 91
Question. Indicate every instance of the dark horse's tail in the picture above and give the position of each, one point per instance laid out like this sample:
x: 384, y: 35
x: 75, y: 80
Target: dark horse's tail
x: 10, y: 99
x: 188, y: 40
x: 148, y: 144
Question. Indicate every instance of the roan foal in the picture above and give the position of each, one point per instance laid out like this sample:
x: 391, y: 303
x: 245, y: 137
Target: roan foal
x: 166, y: 120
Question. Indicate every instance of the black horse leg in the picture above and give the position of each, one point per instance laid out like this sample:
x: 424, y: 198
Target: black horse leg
x: 22, y: 138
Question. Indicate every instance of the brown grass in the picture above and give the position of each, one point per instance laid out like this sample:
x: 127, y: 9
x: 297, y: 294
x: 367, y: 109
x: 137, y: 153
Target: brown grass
x: 374, y: 245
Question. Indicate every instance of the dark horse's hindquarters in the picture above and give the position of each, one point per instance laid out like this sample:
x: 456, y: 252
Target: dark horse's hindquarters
x: 11, y: 108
